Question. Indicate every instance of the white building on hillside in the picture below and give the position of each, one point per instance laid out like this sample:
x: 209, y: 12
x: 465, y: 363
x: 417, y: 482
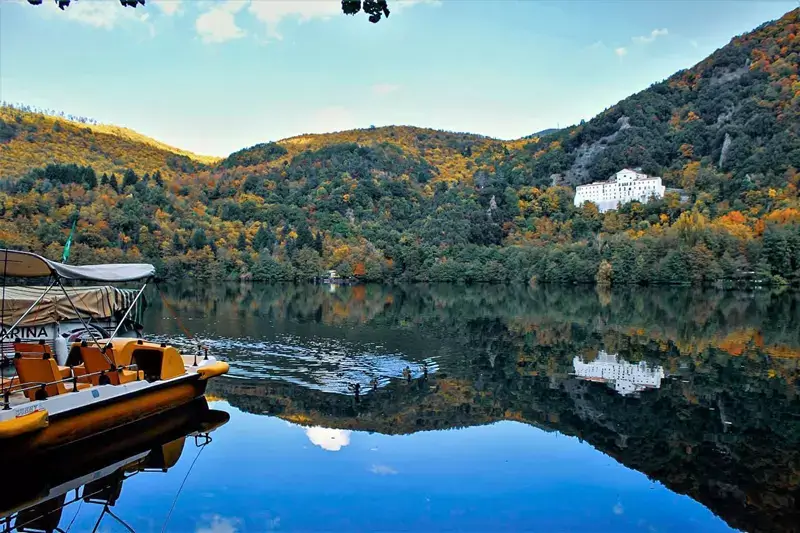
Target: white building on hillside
x: 625, y: 377
x: 624, y: 186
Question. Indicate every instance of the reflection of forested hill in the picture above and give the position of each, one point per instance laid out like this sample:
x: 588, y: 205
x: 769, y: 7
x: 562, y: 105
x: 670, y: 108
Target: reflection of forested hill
x: 736, y: 322
x: 727, y: 438
x: 435, y: 404
x: 723, y: 427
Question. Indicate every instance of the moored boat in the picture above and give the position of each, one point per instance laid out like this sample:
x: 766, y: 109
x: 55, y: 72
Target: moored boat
x: 102, y: 383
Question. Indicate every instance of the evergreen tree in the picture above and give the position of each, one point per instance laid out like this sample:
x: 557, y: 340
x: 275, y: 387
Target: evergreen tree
x: 241, y: 243
x: 291, y: 246
x: 318, y: 243
x: 263, y: 240
x: 130, y: 178
x: 304, y: 236
x: 90, y: 178
x: 199, y: 239
x: 177, y: 245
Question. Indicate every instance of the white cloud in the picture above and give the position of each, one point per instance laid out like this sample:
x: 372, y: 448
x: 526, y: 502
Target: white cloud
x: 383, y: 470
x: 384, y: 88
x: 621, y: 51
x: 219, y: 524
x: 218, y: 24
x: 332, y: 440
x: 272, y: 12
x: 655, y: 34
x: 168, y: 7
x: 694, y: 43
x: 106, y: 14
x: 597, y: 45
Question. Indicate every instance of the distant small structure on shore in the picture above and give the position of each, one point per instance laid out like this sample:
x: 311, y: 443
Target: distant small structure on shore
x: 625, y: 186
x: 333, y: 278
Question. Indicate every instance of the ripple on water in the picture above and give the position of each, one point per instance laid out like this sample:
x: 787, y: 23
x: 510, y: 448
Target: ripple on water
x: 327, y: 365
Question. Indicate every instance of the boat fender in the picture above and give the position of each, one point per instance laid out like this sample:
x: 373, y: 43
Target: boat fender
x: 27, y: 423
x: 212, y: 370
x: 62, y: 350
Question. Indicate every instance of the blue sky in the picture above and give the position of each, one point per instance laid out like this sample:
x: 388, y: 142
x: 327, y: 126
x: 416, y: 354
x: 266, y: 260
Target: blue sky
x: 216, y: 76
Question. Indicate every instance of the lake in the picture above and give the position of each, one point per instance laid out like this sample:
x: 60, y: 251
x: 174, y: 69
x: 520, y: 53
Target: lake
x: 478, y: 408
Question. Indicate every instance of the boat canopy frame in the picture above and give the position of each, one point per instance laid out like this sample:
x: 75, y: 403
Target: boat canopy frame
x: 29, y: 265
x: 21, y: 264
x: 16, y: 263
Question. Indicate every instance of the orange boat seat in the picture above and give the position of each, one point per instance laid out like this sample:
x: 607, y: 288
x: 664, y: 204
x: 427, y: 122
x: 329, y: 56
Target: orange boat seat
x: 95, y: 362
x: 42, y: 370
x: 29, y: 349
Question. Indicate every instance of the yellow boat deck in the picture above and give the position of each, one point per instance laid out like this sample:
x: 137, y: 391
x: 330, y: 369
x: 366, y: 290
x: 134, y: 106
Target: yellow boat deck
x: 134, y: 376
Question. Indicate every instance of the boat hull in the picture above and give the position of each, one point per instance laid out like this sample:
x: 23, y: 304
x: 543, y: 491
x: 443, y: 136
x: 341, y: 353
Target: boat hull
x: 98, y: 452
x: 95, y: 419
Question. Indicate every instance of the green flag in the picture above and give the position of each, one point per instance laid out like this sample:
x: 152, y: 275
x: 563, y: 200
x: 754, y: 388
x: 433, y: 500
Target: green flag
x: 68, y: 245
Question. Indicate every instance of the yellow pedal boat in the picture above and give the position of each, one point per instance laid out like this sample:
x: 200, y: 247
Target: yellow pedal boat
x: 103, y: 384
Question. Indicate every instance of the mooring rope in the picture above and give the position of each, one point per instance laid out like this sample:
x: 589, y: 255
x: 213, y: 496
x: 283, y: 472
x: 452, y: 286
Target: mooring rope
x: 172, y: 507
x: 175, y: 316
x: 77, y: 512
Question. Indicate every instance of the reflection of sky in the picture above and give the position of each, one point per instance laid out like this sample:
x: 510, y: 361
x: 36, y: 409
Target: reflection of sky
x: 329, y: 439
x: 262, y: 473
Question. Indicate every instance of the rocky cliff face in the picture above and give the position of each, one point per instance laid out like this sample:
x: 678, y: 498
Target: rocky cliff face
x: 586, y: 155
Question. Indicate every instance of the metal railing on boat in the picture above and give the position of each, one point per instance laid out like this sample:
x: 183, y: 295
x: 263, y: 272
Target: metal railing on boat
x: 74, y: 380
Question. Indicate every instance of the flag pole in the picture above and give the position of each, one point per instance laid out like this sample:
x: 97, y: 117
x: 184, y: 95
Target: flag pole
x: 68, y: 244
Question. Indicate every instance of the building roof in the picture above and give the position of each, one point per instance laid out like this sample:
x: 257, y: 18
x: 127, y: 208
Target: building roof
x: 612, y: 180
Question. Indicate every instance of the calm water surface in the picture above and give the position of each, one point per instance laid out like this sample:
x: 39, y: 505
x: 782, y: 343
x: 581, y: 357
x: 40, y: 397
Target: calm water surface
x: 478, y: 409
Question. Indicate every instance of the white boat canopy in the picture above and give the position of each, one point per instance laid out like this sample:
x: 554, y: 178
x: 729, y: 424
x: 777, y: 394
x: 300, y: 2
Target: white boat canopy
x: 99, y: 303
x: 14, y: 263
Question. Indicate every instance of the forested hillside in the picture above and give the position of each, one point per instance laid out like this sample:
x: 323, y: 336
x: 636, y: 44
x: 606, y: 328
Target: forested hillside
x: 30, y: 139
x: 413, y: 204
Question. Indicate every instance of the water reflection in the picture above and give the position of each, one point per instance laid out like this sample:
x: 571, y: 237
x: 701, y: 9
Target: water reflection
x: 624, y: 377
x: 329, y: 439
x: 695, y: 390
x: 88, y: 477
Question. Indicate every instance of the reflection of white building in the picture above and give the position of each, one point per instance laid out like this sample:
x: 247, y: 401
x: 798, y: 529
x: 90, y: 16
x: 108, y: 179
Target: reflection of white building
x: 625, y: 377
x: 624, y: 186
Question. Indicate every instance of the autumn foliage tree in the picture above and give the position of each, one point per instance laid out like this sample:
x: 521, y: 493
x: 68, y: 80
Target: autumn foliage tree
x: 604, y: 274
